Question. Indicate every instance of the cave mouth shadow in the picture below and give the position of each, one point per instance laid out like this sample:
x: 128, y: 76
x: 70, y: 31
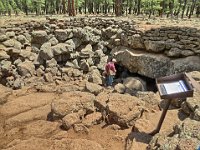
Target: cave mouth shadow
x: 138, y: 137
x: 123, y: 72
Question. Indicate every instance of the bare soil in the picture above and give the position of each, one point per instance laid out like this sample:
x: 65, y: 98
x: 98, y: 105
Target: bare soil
x: 104, y: 135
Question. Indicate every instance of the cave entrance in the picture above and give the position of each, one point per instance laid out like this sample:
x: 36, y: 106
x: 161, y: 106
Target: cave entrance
x: 123, y: 72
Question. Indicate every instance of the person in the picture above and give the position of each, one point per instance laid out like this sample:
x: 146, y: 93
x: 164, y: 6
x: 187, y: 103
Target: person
x: 110, y: 71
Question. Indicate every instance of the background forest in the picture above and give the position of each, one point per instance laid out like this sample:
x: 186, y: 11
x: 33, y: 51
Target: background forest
x: 169, y: 8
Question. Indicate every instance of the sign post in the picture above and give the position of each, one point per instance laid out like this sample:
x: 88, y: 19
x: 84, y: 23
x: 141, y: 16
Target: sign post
x: 173, y: 87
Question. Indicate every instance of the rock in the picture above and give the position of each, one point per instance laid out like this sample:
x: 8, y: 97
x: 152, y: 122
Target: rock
x: 174, y: 52
x: 192, y: 105
x: 95, y: 77
x: 93, y: 88
x: 39, y: 113
x: 39, y: 37
x: 187, y: 64
x: 63, y: 35
x: 26, y: 68
x: 129, y: 108
x: 150, y: 98
x: 28, y: 55
x: 136, y: 42
x: 73, y: 64
x: 114, y: 127
x: 22, y: 39
x: 3, y: 38
x: 40, y: 128
x: 61, y: 48
x: 51, y: 63
x: 53, y: 41
x: 80, y: 128
x: 187, y: 53
x: 4, y: 93
x: 143, y: 63
x: 133, y: 85
x: 46, y: 52
x: 87, y: 52
x: 18, y: 84
x: 48, y: 77
x: 44, y: 144
x: 5, y: 66
x: 195, y: 75
x: 73, y: 102
x: 3, y: 55
x: 84, y: 66
x: 10, y: 34
x: 154, y: 46
x: 120, y: 88
x: 74, y: 42
x: 188, y: 128
x: 12, y: 43
x: 103, y: 61
x: 70, y: 119
x: 92, y: 119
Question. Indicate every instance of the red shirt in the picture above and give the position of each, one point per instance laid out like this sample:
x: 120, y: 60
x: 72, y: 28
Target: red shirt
x: 110, y: 66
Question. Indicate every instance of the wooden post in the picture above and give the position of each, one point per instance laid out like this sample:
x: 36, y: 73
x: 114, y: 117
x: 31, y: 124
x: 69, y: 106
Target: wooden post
x: 157, y: 130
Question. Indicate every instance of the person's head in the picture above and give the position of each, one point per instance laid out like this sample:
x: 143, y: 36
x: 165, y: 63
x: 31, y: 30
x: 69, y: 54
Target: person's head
x: 114, y: 60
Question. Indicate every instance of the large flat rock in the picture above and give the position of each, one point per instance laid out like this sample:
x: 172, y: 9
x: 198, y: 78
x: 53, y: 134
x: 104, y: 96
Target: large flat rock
x: 154, y: 65
x: 47, y: 144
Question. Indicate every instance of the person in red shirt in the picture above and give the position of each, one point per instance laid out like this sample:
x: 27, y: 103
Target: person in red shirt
x: 110, y: 72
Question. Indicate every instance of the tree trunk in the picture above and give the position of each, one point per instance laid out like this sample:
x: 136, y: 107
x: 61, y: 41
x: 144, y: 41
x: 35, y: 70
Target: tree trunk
x: 198, y: 11
x: 192, y: 8
x: 118, y: 7
x: 179, y: 8
x: 187, y: 12
x: 171, y: 7
x: 184, y: 6
x: 85, y: 5
x: 138, y: 7
x: 64, y: 6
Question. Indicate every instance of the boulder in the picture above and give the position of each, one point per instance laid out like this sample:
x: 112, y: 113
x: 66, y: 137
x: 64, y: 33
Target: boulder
x: 4, y: 93
x: 133, y: 85
x: 120, y: 88
x: 3, y: 38
x: 191, y: 106
x: 63, y: 35
x: 74, y: 43
x: 95, y: 77
x: 39, y: 37
x: 92, y: 119
x: 61, y: 48
x: 45, y: 144
x: 3, y: 55
x: 26, y: 68
x: 128, y: 110
x: 154, y: 46
x: 46, y: 52
x: 93, y: 88
x: 136, y: 42
x: 187, y: 64
x: 69, y: 120
x: 12, y: 43
x: 84, y: 66
x: 147, y: 64
x: 87, y: 52
x: 188, y: 128
x: 73, y: 102
x: 53, y: 41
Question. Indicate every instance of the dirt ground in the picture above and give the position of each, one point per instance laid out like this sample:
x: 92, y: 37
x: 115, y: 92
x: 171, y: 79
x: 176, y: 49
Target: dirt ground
x: 106, y: 136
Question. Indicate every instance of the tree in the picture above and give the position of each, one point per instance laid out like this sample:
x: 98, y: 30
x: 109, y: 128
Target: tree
x: 118, y: 7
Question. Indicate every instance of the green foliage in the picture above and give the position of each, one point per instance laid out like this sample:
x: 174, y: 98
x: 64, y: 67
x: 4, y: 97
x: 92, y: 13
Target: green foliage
x: 56, y: 6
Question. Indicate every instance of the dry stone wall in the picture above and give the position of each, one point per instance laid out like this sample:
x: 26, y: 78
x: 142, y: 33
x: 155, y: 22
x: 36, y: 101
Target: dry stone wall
x: 61, y: 49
